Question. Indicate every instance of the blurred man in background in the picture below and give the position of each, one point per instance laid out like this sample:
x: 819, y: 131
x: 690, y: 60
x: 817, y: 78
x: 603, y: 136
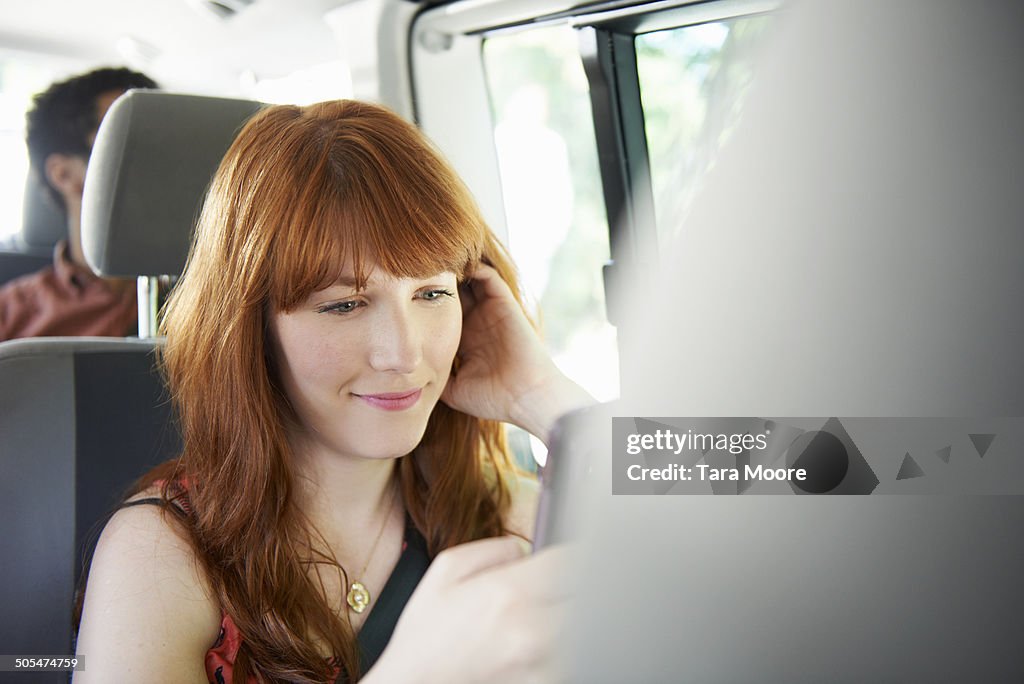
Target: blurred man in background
x: 67, y: 298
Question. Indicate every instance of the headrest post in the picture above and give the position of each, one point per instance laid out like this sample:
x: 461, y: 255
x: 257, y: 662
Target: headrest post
x: 148, y: 290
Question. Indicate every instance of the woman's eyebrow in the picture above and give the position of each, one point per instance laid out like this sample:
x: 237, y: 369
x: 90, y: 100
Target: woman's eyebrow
x: 343, y: 287
x: 346, y: 283
x: 351, y: 283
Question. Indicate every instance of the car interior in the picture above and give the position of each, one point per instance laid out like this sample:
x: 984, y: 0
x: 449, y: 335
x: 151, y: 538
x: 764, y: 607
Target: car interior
x: 717, y: 208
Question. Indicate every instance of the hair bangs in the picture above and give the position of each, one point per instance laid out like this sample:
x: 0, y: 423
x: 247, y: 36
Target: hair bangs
x: 374, y: 202
x: 411, y: 228
x: 309, y: 253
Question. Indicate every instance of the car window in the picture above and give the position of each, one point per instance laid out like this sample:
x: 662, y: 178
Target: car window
x: 554, y: 207
x: 692, y: 85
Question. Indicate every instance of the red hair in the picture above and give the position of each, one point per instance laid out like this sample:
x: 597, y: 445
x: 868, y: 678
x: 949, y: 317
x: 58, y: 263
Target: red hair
x: 301, y: 193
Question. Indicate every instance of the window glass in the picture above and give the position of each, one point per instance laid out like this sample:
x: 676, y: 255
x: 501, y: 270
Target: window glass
x: 692, y: 83
x: 558, y: 233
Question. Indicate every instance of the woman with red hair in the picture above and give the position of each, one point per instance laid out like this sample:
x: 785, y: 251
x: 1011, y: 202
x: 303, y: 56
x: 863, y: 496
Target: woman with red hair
x: 344, y: 341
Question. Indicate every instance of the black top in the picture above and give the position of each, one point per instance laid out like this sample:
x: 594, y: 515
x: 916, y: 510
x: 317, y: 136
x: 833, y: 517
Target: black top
x: 380, y: 624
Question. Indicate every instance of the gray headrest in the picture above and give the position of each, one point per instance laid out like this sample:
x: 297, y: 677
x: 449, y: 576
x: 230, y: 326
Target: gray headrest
x: 43, y: 224
x: 151, y: 163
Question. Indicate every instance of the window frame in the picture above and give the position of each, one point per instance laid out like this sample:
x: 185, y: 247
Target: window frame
x: 446, y: 66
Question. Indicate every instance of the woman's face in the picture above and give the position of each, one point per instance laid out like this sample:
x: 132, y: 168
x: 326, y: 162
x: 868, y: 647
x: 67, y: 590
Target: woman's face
x: 364, y: 369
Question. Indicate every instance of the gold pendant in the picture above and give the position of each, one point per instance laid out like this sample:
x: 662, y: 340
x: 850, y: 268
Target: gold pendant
x: 358, y: 597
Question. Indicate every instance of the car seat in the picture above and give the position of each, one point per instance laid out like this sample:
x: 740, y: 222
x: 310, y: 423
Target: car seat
x: 82, y: 418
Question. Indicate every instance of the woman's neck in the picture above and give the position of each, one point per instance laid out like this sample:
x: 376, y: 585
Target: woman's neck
x: 346, y: 499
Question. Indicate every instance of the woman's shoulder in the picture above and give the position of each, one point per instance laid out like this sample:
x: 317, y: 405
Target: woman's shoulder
x: 147, y: 605
x: 140, y: 533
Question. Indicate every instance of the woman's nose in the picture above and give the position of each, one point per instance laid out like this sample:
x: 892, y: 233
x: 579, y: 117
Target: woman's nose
x: 397, y: 341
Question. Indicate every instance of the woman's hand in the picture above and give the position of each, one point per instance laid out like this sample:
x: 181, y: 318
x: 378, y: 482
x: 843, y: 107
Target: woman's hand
x: 505, y: 373
x: 485, y: 613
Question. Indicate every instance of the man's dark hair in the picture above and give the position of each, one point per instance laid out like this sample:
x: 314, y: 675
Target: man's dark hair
x: 63, y: 116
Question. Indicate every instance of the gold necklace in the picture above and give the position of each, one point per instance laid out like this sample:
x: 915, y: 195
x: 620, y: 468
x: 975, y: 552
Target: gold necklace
x: 358, y: 597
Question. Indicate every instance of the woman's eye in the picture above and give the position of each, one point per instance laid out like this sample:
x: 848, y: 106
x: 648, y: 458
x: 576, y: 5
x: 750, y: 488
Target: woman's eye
x: 348, y: 306
x: 434, y: 295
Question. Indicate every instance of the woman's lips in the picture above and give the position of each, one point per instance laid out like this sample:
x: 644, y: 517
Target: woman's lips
x: 392, y: 401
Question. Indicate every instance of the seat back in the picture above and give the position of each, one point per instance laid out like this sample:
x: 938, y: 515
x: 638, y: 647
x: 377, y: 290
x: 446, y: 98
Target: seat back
x: 43, y: 225
x: 82, y: 418
x: 14, y: 264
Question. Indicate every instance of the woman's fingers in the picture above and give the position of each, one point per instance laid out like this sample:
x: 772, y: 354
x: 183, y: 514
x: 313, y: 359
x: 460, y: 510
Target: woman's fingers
x: 461, y: 562
x: 541, y: 576
x: 487, y: 282
x: 485, y: 613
